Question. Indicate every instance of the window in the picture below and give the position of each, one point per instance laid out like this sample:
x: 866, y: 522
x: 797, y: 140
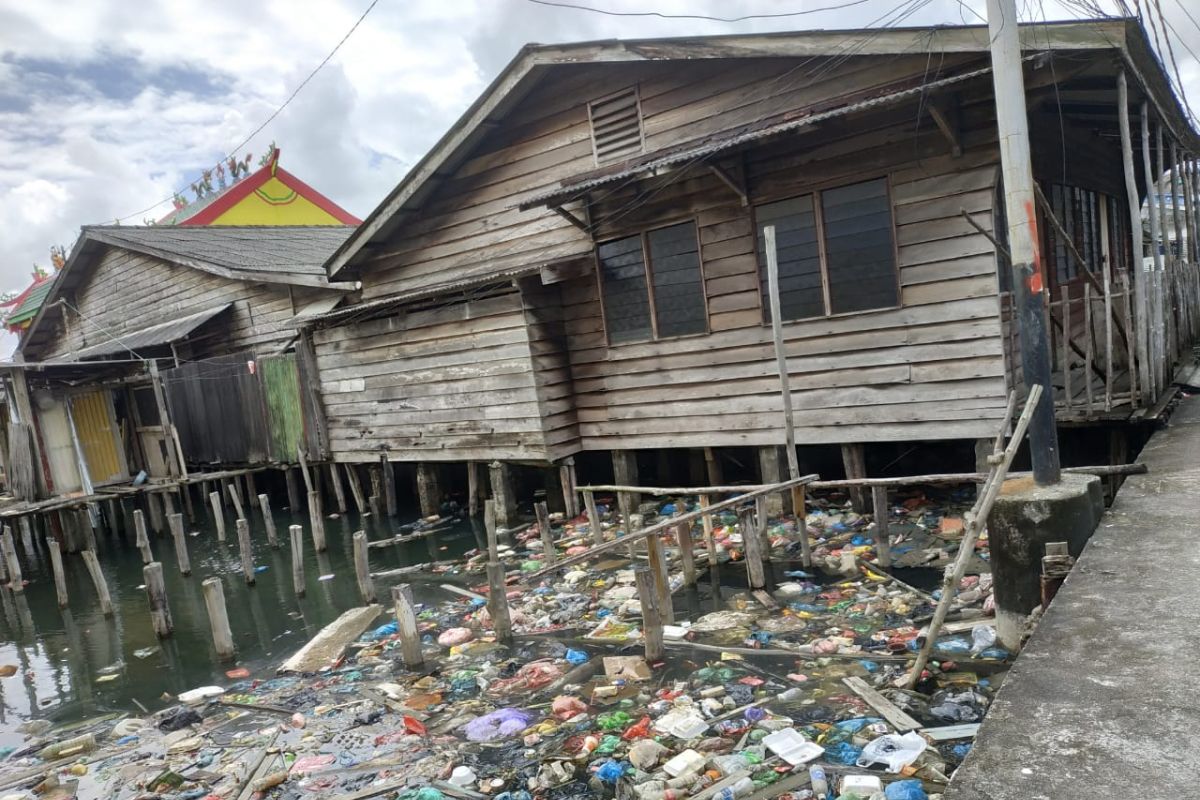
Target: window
x: 652, y: 285
x: 836, y: 251
x: 616, y: 126
x: 1084, y: 215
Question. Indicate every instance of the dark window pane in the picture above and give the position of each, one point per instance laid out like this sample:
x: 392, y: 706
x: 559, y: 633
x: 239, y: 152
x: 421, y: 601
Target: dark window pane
x: 859, y: 250
x: 678, y: 285
x: 623, y: 276
x: 800, y: 293
x: 147, y: 406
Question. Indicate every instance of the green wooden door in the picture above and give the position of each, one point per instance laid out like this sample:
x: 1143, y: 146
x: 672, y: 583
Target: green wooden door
x: 285, y: 420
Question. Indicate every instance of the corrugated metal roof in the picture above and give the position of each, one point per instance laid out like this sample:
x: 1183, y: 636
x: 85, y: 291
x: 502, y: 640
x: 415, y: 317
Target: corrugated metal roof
x: 572, y: 188
x: 153, y: 336
x: 298, y: 250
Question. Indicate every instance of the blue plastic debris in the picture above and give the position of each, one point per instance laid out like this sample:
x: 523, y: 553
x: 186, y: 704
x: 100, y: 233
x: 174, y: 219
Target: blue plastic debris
x: 910, y: 789
x: 384, y: 631
x: 576, y: 657
x: 843, y: 753
x: 610, y: 771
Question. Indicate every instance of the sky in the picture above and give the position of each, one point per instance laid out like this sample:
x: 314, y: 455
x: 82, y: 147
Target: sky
x: 107, y: 108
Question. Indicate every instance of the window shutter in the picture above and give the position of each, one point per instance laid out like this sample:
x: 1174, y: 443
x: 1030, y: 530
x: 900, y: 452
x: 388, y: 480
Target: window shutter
x: 616, y: 126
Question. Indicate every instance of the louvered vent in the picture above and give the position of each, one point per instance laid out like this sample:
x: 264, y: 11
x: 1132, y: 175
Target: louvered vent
x: 616, y: 126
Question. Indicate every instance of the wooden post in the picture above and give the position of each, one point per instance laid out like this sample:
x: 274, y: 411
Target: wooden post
x: 185, y: 489
x: 93, y: 567
x: 625, y: 473
x: 549, y: 554
x: 497, y: 586
x: 154, y: 507
x: 595, y: 525
x: 752, y: 543
x: 713, y: 463
x: 297, y: 536
x: 855, y: 461
x: 317, y: 520
x: 406, y: 625
x: 218, y: 514
x: 1151, y: 295
x: 142, y: 540
x: 356, y: 491
x: 168, y: 505
x: 251, y: 490
x: 339, y: 493
x: 218, y: 617
x: 652, y: 624
x: 662, y: 578
x: 800, y: 510
x: 362, y: 569
x: 156, y: 593
x: 473, y: 504
x: 181, y: 551
x: 293, y: 489
x: 769, y: 471
x: 710, y: 543
x: 83, y: 521
x: 1065, y: 341
x: 245, y: 549
x: 1134, y: 209
x: 566, y: 478
x: 309, y: 485
x: 174, y: 456
x: 687, y: 555
x: 376, y: 507
x: 883, y: 547
x: 389, y: 484
x: 27, y: 537
x: 264, y: 505
x: 428, y: 491
x: 763, y: 521
x: 503, y: 497
x: 60, y: 579
x: 15, y: 581
x: 236, y: 498
x: 1087, y: 344
x: 781, y: 366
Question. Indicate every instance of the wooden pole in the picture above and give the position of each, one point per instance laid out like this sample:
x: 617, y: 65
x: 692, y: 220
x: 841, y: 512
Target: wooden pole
x: 264, y: 505
x: 309, y: 485
x: 27, y: 536
x: 406, y: 625
x: 15, y: 581
x: 156, y: 593
x: 181, y: 551
x: 317, y: 521
x: 652, y: 624
x: 710, y: 543
x: 185, y: 489
x: 339, y: 493
x: 1155, y: 253
x: 93, y: 567
x: 473, y: 504
x: 752, y: 544
x: 296, y: 533
x: 293, y: 489
x: 497, y: 603
x: 503, y: 497
x: 362, y: 569
x: 56, y: 565
x: 245, y: 550
x: 142, y: 540
x: 218, y: 514
x: 549, y: 554
x: 428, y: 491
x: 1087, y: 344
x: 389, y: 484
x: 566, y: 478
x: 595, y: 524
x: 376, y: 507
x: 251, y: 490
x: 1134, y: 209
x: 356, y: 492
x: 687, y: 554
x: 1066, y: 346
x: 854, y: 461
x: 236, y: 498
x: 712, y: 464
x: 883, y: 547
x: 175, y: 461
x: 662, y: 578
x: 154, y: 508
x: 218, y: 617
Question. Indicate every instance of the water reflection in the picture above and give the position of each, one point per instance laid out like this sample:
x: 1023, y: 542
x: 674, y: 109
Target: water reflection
x: 75, y: 663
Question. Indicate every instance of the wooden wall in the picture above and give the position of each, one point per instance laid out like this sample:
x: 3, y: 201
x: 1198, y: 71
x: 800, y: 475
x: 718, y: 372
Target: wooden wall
x: 446, y: 383
x: 127, y: 291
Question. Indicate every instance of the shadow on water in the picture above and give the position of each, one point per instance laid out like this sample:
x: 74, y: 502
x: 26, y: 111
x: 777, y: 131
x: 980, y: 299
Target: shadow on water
x: 75, y: 663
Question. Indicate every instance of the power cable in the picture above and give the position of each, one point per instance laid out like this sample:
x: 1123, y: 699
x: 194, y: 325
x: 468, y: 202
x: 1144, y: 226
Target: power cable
x: 662, y: 15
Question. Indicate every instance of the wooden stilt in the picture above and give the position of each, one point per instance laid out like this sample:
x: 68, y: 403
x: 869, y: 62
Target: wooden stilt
x: 188, y: 505
x: 309, y: 484
x: 762, y: 521
x: 503, y: 496
x: 687, y: 556
x: 549, y: 554
x: 154, y: 508
x: 855, y: 462
x: 339, y: 492
x: 1087, y: 346
x: 770, y: 470
x: 389, y: 485
x: 360, y: 502
x: 245, y: 550
x: 428, y: 491
x: 56, y: 565
x: 317, y: 521
x: 752, y: 543
x: 26, y: 537
x: 362, y: 569
x: 406, y: 625
x: 142, y: 540
x: 652, y: 624
x: 473, y: 503
x: 181, y: 551
x: 264, y: 505
x: 83, y: 523
x: 251, y: 490
x: 376, y: 507
x: 296, y: 533
x: 168, y: 506
x: 114, y: 515
x: 710, y: 543
x: 566, y: 478
x: 625, y: 472
x: 595, y: 524
x: 218, y: 617
x: 712, y: 463
x: 662, y: 578
x: 800, y: 510
x: 93, y: 567
x: 156, y: 593
x: 15, y: 581
x: 293, y: 489
x: 218, y: 514
x: 1065, y: 340
x: 497, y: 586
x: 883, y: 548
x: 236, y: 498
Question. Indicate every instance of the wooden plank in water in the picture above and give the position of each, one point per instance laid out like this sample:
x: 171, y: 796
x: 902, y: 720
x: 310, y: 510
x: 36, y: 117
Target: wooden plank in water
x: 886, y: 708
x: 327, y: 646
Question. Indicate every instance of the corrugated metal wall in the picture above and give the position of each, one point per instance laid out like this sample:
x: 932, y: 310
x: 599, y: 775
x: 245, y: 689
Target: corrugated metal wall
x: 217, y: 406
x: 93, y: 419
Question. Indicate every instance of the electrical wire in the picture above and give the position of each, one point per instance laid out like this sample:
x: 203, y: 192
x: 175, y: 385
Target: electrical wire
x: 275, y: 113
x: 662, y: 15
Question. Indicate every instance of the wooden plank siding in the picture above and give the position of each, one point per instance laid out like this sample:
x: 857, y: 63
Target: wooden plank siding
x: 127, y: 291
x: 532, y: 375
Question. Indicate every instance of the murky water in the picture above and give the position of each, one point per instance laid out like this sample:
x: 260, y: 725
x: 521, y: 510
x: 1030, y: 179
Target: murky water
x: 75, y: 663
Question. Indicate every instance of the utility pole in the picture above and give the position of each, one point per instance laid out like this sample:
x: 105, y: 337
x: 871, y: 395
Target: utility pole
x: 1028, y: 273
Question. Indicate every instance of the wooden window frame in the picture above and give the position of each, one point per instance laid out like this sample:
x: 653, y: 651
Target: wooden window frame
x: 648, y: 275
x: 637, y: 105
x: 822, y: 255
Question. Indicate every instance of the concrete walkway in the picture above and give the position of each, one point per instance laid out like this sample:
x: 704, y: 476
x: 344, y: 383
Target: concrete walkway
x: 1103, y: 701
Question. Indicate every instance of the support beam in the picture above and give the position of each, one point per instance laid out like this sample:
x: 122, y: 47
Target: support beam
x: 503, y: 495
x: 1137, y: 252
x: 214, y: 498
x: 264, y: 505
x: 949, y: 128
x: 181, y: 552
x: 854, y: 460
x: 474, y: 502
x: 218, y: 617
x: 339, y: 493
x: 727, y: 179
x: 156, y: 594
x: 362, y: 569
x: 406, y: 626
x: 429, y: 492
x: 356, y: 491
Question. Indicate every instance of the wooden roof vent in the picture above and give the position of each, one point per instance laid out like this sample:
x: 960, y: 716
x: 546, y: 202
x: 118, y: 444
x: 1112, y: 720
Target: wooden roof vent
x: 616, y: 126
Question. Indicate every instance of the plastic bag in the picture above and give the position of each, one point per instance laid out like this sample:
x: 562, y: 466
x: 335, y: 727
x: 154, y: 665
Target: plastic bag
x: 897, y: 752
x: 910, y: 789
x: 501, y: 723
x: 982, y: 638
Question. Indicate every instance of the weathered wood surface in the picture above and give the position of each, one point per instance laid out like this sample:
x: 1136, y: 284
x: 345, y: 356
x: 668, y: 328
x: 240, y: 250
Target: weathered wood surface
x: 328, y: 644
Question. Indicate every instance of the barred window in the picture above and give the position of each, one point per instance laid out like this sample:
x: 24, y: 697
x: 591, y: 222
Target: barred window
x: 652, y: 285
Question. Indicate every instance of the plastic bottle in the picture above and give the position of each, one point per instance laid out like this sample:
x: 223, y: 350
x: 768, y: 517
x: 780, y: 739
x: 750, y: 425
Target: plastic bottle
x: 820, y: 784
x: 744, y: 786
